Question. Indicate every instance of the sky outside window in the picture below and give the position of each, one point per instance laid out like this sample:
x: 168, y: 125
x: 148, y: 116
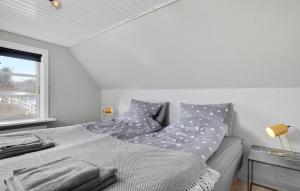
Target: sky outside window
x: 17, y: 65
x: 15, y: 84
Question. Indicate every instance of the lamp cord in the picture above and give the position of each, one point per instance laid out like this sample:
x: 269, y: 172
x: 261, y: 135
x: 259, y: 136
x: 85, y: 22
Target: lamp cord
x: 298, y: 134
x: 290, y: 143
x: 297, y: 130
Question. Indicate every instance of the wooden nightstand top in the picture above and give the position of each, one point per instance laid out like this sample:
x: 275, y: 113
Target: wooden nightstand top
x: 263, y: 155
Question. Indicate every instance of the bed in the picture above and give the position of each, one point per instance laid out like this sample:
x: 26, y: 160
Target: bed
x: 229, y: 152
x: 227, y: 160
x: 90, y: 144
x: 140, y: 167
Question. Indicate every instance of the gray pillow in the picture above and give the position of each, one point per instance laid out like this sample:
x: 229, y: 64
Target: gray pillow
x: 220, y: 112
x: 144, y: 108
x: 161, y: 115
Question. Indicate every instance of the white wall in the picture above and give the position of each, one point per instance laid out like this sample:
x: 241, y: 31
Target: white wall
x: 74, y: 97
x: 175, y: 52
x: 254, y: 109
x: 200, y: 44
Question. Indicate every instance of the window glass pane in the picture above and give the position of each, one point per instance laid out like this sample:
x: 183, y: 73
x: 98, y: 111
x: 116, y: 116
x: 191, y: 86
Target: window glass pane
x: 17, y: 85
x: 18, y: 107
x: 16, y: 65
x: 19, y: 88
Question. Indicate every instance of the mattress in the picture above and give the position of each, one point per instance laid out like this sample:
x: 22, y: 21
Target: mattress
x: 135, y: 172
x: 227, y: 161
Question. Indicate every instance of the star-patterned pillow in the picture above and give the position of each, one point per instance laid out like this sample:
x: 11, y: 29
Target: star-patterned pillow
x: 144, y: 108
x: 220, y: 112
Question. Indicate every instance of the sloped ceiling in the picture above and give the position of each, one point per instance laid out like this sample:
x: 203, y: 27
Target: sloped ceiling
x: 200, y: 44
x: 188, y: 44
x: 75, y: 22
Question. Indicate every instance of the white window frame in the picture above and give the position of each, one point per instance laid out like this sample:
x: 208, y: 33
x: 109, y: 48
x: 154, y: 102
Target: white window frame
x: 43, y: 83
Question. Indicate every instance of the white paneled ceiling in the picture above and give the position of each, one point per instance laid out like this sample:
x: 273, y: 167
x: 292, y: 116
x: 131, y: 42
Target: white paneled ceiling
x: 200, y: 44
x: 75, y: 22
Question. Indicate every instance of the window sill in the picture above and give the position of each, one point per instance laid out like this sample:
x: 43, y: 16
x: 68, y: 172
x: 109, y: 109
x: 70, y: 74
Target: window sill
x: 26, y: 122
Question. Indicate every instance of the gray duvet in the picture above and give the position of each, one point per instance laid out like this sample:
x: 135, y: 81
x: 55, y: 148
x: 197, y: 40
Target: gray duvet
x: 127, y: 126
x: 140, y: 167
x: 193, y: 134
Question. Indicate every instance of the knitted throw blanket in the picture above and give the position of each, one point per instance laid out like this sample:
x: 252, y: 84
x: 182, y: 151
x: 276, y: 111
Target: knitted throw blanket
x: 140, y: 167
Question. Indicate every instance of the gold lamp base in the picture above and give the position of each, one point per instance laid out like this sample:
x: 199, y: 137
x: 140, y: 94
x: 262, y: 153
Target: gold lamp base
x: 288, y: 155
x: 280, y: 153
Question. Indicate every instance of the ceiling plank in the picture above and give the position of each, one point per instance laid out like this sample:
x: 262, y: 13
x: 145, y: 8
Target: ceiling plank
x: 75, y: 22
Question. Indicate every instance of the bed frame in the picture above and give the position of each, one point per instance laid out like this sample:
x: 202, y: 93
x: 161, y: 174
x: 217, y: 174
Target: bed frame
x: 225, y: 181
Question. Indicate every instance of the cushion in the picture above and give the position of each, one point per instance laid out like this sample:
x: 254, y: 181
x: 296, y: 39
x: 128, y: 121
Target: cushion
x: 221, y: 112
x: 144, y: 108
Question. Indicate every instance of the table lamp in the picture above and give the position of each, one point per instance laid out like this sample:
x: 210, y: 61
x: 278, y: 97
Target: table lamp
x: 279, y: 130
x: 107, y: 112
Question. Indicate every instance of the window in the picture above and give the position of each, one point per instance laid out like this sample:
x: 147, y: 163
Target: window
x: 23, y: 82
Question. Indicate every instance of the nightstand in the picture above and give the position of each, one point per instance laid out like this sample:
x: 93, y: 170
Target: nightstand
x: 263, y: 155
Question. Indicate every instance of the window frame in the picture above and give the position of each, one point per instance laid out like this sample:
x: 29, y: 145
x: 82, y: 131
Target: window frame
x: 42, y: 78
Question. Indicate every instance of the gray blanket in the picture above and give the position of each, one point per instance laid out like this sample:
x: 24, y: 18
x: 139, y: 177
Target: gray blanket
x: 140, y: 167
x: 60, y: 175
